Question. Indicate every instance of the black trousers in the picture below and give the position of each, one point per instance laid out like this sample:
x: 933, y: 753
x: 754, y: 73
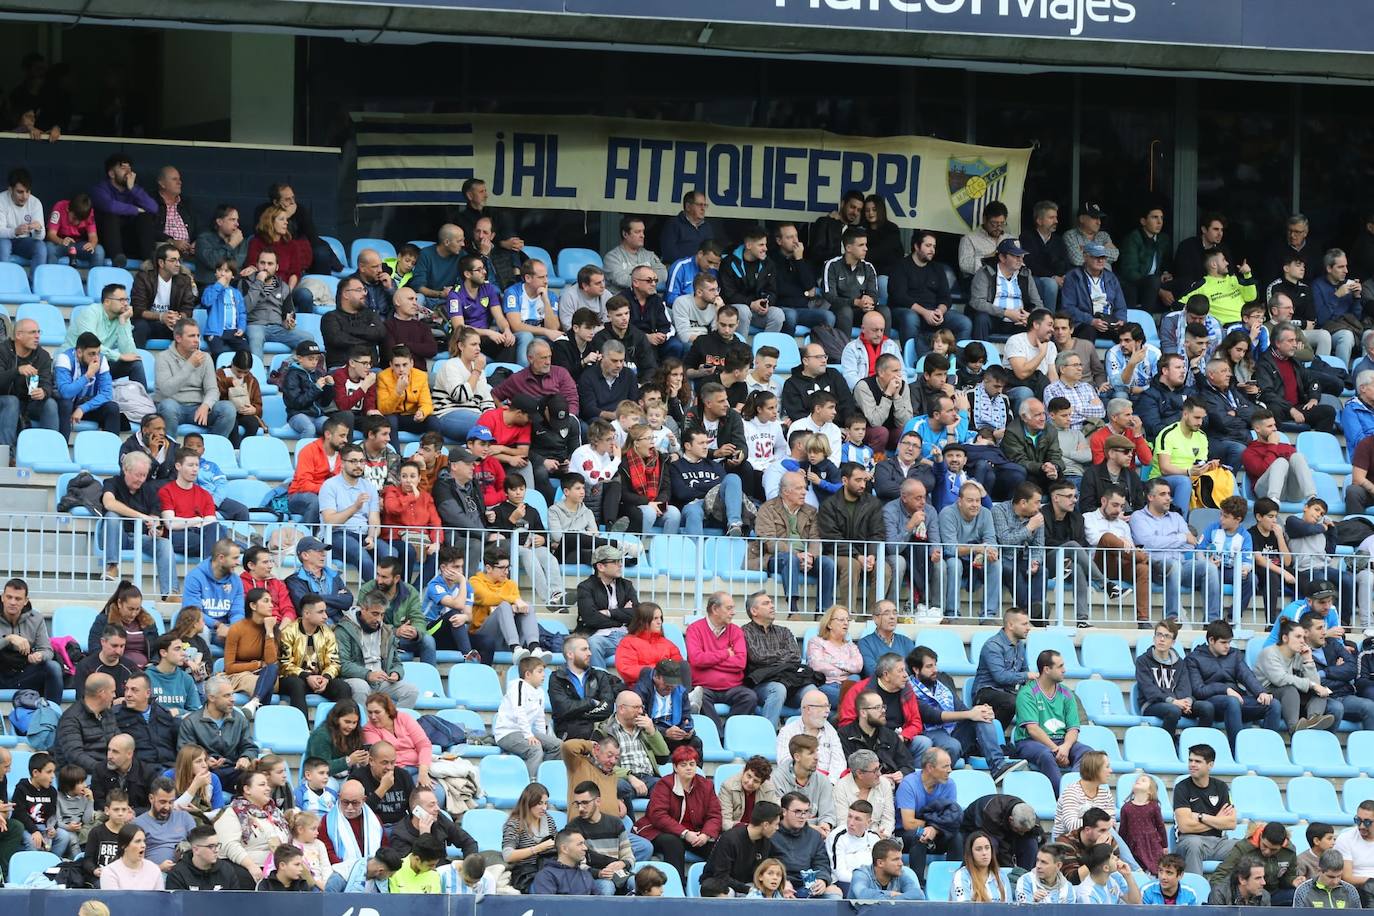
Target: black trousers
x: 1003, y: 704
x: 674, y: 852
x: 295, y: 689
x: 127, y: 237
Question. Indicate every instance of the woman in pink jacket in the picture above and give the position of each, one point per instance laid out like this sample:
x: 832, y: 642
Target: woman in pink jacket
x: 401, y: 731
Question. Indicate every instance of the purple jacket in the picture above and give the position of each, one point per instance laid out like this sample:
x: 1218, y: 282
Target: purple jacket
x: 556, y: 381
x: 119, y: 201
x: 474, y: 310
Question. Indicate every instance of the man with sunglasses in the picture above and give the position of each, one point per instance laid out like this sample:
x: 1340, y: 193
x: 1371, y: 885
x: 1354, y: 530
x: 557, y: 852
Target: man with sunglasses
x: 1356, y: 846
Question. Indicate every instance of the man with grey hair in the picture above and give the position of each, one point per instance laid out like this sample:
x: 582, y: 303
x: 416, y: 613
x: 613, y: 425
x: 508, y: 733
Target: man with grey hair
x: 28, y: 394
x: 601, y: 389
x: 928, y: 811
x: 132, y: 514
x: 1071, y: 385
x: 911, y: 525
x: 895, y: 704
x: 773, y: 662
x: 1026, y: 444
x: 788, y: 546
x: 865, y: 781
x: 716, y: 648
x: 1228, y: 412
x: 1015, y: 830
x: 224, y: 732
x: 1336, y: 298
x: 369, y: 659
x: 1288, y: 388
x: 1329, y: 889
x: 1357, y: 417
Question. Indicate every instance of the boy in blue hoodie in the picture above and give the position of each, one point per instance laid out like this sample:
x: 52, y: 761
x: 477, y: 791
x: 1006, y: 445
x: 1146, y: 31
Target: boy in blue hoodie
x: 226, y: 319
x: 215, y: 587
x: 85, y: 389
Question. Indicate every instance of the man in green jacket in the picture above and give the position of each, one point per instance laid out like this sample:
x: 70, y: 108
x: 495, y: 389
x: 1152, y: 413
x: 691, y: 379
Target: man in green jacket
x: 1147, y: 255
x: 404, y: 610
x: 1271, y: 849
x: 1029, y: 444
x: 367, y: 655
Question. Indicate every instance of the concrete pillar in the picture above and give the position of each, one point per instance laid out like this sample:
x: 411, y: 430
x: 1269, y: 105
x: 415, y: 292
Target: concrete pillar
x: 262, y: 98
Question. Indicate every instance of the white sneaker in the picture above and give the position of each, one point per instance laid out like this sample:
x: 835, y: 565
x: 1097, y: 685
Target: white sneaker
x: 695, y: 697
x: 519, y: 653
x: 250, y: 709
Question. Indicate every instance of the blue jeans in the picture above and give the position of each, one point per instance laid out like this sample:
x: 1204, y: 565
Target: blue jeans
x: 83, y: 257
x: 991, y: 574
x: 260, y: 334
x: 306, y: 426
x: 1235, y: 713
x: 348, y: 547
x: 1041, y: 758
x: 422, y: 647
x: 454, y: 424
x: 174, y: 413
x: 1228, y: 451
x: 969, y: 739
x: 1188, y: 574
x: 670, y: 522
x: 1049, y: 291
x: 773, y: 697
x: 603, y: 644
x: 35, y: 249
x: 909, y: 326
x: 195, y: 544
x: 119, y: 535
x: 643, y: 850
x: 731, y: 494
x: 38, y: 413
x: 1182, y: 487
x: 62, y: 842
x: 787, y: 567
x: 1356, y: 709
x: 808, y: 318
x: 306, y: 505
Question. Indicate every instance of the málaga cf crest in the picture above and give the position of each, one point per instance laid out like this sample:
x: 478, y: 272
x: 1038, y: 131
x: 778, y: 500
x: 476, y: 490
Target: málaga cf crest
x: 973, y: 184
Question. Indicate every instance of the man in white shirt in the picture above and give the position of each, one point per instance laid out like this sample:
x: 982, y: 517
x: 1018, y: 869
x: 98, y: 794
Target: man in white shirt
x: 1356, y: 845
x: 851, y: 847
x: 822, y: 420
x: 529, y: 310
x: 860, y: 357
x: 1031, y: 356
x: 1107, y: 530
x: 695, y: 314
x: 21, y: 221
x: 813, y: 721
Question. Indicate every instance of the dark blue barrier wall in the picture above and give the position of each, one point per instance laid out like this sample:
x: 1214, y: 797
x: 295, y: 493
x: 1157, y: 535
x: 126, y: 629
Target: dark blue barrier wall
x: 211, y: 174
x: 235, y: 903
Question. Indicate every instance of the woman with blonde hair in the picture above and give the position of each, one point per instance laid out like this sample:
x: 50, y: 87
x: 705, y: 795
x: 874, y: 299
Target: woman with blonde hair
x: 1093, y: 790
x: 198, y: 787
x: 833, y: 653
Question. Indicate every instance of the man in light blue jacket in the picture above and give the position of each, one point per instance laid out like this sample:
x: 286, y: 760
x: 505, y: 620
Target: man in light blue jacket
x: 887, y: 878
x: 85, y: 389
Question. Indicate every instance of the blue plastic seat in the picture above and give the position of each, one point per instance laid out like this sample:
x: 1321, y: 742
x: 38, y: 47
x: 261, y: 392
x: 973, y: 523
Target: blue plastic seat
x: 1093, y: 692
x: 100, y: 277
x: 474, y: 686
x: 725, y: 558
x: 1360, y: 747
x: 712, y: 750
x: 1314, y: 799
x: 337, y: 247
x: 1329, y: 491
x: 331, y: 285
x: 473, y: 725
x: 1319, y: 753
x: 971, y: 785
x: 1109, y: 656
x: 59, y: 284
x: 1263, y: 751
x: 1323, y: 452
x: 1152, y: 750
x: 1101, y: 738
x: 29, y: 862
x: 939, y: 878
x: 383, y: 248
x: 1126, y: 782
x: 74, y: 620
x: 221, y: 451
x: 553, y: 775
x: 747, y: 736
x: 280, y: 730
x: 251, y: 493
x: 52, y: 327
x: 1258, y: 797
x: 484, y: 825
x: 97, y: 451
x: 426, y: 679
x: 266, y: 459
x: 43, y: 450
x: 979, y: 639
x: 948, y: 646
x: 62, y: 481
x: 1032, y: 787
x: 724, y: 772
x: 504, y: 777
x: 149, y: 369
x: 694, y: 873
x: 675, y: 556
x: 1356, y: 791
x: 1225, y: 765
x: 571, y: 260
x: 556, y: 280
x: 14, y: 285
x: 1147, y: 324
x: 1040, y: 640
x: 789, y: 354
x: 1198, y: 885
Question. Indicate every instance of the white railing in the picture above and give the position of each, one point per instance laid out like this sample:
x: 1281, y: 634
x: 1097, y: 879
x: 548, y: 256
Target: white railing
x: 61, y: 556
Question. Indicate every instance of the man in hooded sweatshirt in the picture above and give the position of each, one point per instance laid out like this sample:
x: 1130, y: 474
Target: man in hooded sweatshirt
x: 216, y: 588
x: 1164, y: 686
x: 566, y: 875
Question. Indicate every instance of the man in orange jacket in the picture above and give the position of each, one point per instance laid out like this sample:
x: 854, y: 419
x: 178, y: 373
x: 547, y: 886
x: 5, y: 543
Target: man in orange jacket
x: 315, y: 464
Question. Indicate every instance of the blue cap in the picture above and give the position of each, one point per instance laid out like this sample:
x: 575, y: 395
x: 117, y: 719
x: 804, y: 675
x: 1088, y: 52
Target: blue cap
x: 1094, y: 250
x: 480, y: 433
x: 1011, y: 247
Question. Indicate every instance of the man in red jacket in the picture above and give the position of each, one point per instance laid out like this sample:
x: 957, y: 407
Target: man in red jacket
x: 889, y: 681
x: 718, y: 655
x: 257, y: 573
x: 1276, y: 468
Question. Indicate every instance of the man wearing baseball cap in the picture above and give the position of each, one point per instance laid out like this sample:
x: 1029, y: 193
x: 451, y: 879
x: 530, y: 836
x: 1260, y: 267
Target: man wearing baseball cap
x: 660, y: 687
x: 606, y: 603
x: 1003, y: 293
x: 1088, y: 231
x: 314, y: 576
x: 488, y: 470
x: 307, y: 393
x: 510, y: 430
x: 1321, y: 598
x: 459, y: 501
x: 1092, y: 296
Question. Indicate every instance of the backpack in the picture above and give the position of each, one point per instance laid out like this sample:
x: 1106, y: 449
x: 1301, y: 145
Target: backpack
x: 1211, y: 487
x: 442, y: 732
x: 68, y: 653
x: 831, y: 341
x: 40, y: 723
x: 82, y: 490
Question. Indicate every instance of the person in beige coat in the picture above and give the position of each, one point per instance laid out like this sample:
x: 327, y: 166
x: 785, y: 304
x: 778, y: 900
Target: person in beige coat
x: 756, y: 780
x: 864, y: 782
x: 788, y: 546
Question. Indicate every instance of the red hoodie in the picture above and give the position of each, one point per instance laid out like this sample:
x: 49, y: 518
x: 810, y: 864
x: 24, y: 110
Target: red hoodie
x: 282, y: 606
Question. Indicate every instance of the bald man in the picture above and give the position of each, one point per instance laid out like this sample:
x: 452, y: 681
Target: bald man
x: 436, y: 272
x: 124, y: 771
x: 388, y: 786
x: 27, y: 389
x: 640, y: 744
x: 377, y: 283
x: 85, y: 729
x: 350, y: 830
